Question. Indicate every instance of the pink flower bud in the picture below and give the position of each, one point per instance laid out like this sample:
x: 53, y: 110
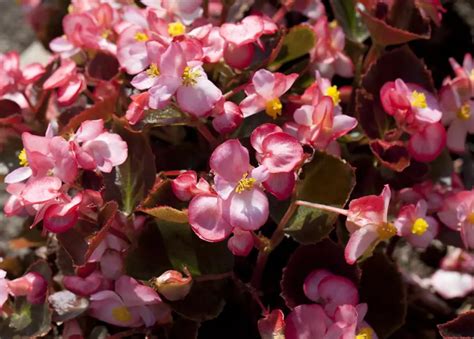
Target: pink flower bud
x: 172, y: 285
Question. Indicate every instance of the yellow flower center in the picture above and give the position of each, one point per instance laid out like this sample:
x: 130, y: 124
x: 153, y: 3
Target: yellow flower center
x: 418, y: 99
x: 153, y: 71
x: 470, y: 218
x: 419, y: 226
x: 190, y: 76
x: 471, y: 75
x: 176, y: 28
x: 334, y: 93
x: 23, y: 160
x: 273, y: 108
x: 142, y: 37
x: 106, y: 33
x: 333, y: 24
x: 245, y: 184
x: 464, y: 112
x: 364, y: 333
x: 386, y: 231
x: 122, y: 314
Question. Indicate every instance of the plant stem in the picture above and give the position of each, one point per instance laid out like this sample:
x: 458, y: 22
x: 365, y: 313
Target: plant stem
x: 202, y: 128
x: 275, y: 240
x: 279, y: 235
x: 322, y: 207
x: 235, y: 90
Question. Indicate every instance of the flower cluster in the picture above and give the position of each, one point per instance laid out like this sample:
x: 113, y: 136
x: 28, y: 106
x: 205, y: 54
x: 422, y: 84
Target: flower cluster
x: 177, y: 158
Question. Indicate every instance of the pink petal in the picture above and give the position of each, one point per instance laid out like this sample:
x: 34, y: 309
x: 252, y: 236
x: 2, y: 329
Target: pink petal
x: 173, y: 62
x: 165, y: 88
x: 337, y: 291
x: 60, y: 76
x: 281, y: 152
x: 205, y: 218
x: 229, y: 119
x: 359, y: 242
x: 40, y: 190
x: 311, y: 284
x: 200, y: 98
x: 456, y: 136
x: 65, y: 166
x: 230, y: 160
x: 252, y: 104
x: 264, y: 82
x: 241, y: 243
x: 134, y: 293
x: 18, y: 175
x: 304, y: 115
x: 306, y: 322
x: 69, y: 92
x: 83, y: 286
x: 281, y: 185
x: 450, y: 284
x: 247, y: 210
x: 59, y: 218
x: 260, y: 133
x: 89, y: 130
x: 183, y: 185
x: 427, y: 144
x: 108, y: 150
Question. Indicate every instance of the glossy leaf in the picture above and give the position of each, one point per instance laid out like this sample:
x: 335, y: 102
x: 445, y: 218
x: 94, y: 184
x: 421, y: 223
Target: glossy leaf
x: 325, y: 180
x: 297, y: 42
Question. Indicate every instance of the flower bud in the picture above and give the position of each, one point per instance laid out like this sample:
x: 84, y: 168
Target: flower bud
x: 172, y: 285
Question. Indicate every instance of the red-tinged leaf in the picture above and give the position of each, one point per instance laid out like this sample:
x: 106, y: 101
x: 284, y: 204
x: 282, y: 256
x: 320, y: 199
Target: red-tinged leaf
x: 75, y: 245
x: 106, y: 218
x: 131, y: 182
x: 323, y: 255
x: 461, y: 327
x: 103, y: 67
x: 405, y: 24
x: 101, y: 110
x: 162, y: 195
x: 393, y: 155
x: 383, y: 289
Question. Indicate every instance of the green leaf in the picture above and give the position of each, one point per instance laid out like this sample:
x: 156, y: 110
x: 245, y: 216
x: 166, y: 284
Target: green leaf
x: 326, y: 180
x: 167, y: 213
x: 382, y: 288
x: 165, y: 245
x: 136, y: 176
x: 298, y: 42
x: 165, y: 117
x: 27, y: 321
x: 350, y: 20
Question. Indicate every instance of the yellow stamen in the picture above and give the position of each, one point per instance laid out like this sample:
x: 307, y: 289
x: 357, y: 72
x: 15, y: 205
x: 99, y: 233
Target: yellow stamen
x: 153, y: 71
x: 245, y: 184
x: 471, y: 75
x: 273, y: 108
x: 106, y: 33
x: 418, y: 100
x: 190, y: 76
x: 419, y: 226
x: 365, y: 333
x: 142, y: 37
x: 334, y: 93
x: 464, y: 112
x: 386, y: 231
x: 333, y: 24
x: 470, y: 218
x: 23, y: 160
x: 176, y: 29
x: 122, y: 314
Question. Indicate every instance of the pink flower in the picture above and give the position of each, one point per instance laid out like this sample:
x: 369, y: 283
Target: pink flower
x: 138, y: 106
x: 239, y: 202
x: 84, y: 285
x: 241, y: 243
x: 32, y: 285
x: 367, y: 223
x: 414, y: 225
x: 330, y: 290
x: 94, y: 147
x: 458, y: 214
x: 186, y: 11
x: 10, y: 73
x: 432, y: 194
x: 172, y: 285
x: 68, y: 81
x: 281, y: 154
x: 265, y: 91
x: 416, y: 112
x: 172, y: 75
x: 466, y: 71
x: 228, y: 118
x: 130, y: 305
x: 186, y: 186
x: 328, y: 55
x: 458, y: 112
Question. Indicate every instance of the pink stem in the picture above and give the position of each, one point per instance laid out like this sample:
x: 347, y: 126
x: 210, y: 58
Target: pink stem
x: 322, y: 207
